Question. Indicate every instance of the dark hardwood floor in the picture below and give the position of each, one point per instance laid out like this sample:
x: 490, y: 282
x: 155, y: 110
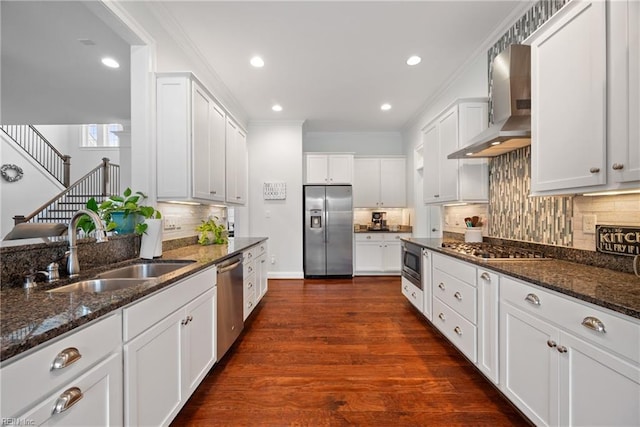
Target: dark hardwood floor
x: 339, y: 353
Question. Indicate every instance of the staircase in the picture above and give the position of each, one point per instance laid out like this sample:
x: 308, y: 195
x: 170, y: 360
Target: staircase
x: 101, y: 182
x: 41, y: 150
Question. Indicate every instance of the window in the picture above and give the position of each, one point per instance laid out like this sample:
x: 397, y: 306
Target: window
x: 101, y: 135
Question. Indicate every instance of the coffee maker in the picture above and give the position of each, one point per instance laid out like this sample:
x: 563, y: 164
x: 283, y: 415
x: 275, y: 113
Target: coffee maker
x: 379, y: 220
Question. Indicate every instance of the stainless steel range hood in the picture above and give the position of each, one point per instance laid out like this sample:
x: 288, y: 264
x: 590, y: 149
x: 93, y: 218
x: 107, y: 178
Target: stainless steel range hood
x: 511, y: 84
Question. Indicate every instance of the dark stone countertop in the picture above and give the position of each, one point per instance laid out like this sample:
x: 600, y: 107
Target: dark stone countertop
x: 607, y: 288
x: 32, y: 317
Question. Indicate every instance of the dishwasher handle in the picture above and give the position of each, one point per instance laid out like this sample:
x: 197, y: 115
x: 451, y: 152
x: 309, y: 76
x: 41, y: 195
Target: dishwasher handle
x: 226, y: 267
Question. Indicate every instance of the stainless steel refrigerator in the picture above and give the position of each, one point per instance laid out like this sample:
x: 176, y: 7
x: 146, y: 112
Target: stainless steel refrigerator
x: 328, y: 230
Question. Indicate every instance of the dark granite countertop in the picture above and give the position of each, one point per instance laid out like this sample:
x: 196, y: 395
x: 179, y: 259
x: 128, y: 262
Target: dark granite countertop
x: 32, y: 317
x: 383, y: 231
x: 614, y: 290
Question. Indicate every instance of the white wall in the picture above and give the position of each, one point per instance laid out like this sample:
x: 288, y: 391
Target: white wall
x: 471, y: 83
x: 26, y: 195
x: 360, y: 143
x: 275, y: 155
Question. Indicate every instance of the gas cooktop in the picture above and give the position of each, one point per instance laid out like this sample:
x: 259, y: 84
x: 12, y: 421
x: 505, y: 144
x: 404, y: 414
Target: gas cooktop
x: 489, y: 252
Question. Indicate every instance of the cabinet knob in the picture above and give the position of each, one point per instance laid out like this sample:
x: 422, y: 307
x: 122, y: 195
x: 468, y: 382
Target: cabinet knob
x: 436, y: 195
x: 594, y: 170
x: 67, y: 399
x: 617, y: 166
x: 250, y: 285
x: 532, y: 299
x: 368, y: 237
x: 485, y: 276
x: 441, y: 316
x: 65, y: 358
x: 594, y: 324
x: 551, y: 343
x: 434, y: 230
x: 562, y: 349
x: 213, y: 192
x: 441, y: 286
x: 413, y: 294
x: 457, y: 330
x: 238, y: 197
x: 406, y: 289
x: 458, y: 296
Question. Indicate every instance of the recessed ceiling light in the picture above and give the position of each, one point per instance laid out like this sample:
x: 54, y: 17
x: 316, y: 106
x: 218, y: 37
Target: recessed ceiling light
x: 110, y: 62
x: 257, y: 62
x: 496, y: 143
x: 414, y: 60
x: 385, y: 107
x: 470, y: 154
x: 277, y: 107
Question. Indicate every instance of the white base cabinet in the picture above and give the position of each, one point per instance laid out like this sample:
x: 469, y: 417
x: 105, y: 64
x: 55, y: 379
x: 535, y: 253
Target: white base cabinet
x: 559, y: 371
x: 378, y: 253
x: 413, y: 294
x: 166, y: 359
x: 255, y: 277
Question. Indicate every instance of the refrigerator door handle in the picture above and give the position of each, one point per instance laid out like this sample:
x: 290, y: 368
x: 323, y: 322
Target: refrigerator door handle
x: 325, y: 215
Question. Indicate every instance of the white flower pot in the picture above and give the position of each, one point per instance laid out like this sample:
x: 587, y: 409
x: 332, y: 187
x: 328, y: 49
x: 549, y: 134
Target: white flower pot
x: 151, y: 246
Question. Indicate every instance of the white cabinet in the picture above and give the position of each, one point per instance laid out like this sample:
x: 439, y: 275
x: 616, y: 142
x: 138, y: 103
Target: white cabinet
x: 379, y: 183
x: 447, y: 180
x: 488, y: 320
x: 255, y: 276
x: 87, y: 362
x: 190, y: 140
x: 426, y: 284
x: 568, y: 82
x: 567, y: 363
x: 170, y: 346
x: 329, y: 168
x: 623, y: 86
x: 378, y: 253
x: 413, y: 294
x: 237, y: 167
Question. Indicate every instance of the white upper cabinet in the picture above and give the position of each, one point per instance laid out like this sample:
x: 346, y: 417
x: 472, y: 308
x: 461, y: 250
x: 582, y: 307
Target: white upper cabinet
x: 379, y: 182
x: 624, y: 91
x: 585, y: 65
x: 236, y: 176
x: 568, y: 88
x: 449, y: 180
x: 329, y: 168
x: 190, y: 140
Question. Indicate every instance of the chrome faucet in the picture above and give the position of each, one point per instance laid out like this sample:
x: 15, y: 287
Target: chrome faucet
x: 73, y: 266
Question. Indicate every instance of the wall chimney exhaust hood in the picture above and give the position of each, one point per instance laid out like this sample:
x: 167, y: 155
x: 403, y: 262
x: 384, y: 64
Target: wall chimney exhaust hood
x: 511, y: 87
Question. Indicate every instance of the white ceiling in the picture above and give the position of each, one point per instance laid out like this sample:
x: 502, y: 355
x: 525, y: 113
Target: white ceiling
x: 330, y: 63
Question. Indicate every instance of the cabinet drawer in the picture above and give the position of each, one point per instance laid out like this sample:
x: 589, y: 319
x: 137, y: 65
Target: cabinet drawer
x: 413, y: 294
x: 146, y: 313
x: 249, y: 303
x: 259, y: 249
x: 30, y: 378
x: 458, y: 269
x: 456, y: 294
x: 456, y: 328
x: 367, y: 237
x: 250, y: 284
x: 621, y: 335
x: 248, y: 268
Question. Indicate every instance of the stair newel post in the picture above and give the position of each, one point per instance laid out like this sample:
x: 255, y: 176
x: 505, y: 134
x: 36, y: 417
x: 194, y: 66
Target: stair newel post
x: 105, y: 175
x: 19, y: 219
x: 66, y: 159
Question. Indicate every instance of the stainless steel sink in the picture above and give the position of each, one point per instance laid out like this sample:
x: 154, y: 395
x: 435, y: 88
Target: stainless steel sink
x: 143, y: 271
x: 99, y: 285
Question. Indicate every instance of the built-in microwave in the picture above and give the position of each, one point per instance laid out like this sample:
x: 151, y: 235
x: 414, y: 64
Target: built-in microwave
x: 412, y: 263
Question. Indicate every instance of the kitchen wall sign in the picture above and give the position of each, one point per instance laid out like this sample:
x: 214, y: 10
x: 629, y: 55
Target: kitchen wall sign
x: 618, y: 240
x: 274, y: 191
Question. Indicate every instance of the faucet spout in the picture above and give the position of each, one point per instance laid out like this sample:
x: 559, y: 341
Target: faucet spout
x: 73, y: 266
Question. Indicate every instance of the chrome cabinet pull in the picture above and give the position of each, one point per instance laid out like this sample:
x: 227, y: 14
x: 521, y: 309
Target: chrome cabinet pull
x: 594, y: 170
x: 65, y: 358
x: 66, y: 400
x: 250, y: 285
x: 485, y: 276
x: 369, y: 237
x: 617, y: 166
x: 406, y: 289
x: 457, y: 330
x: 186, y: 321
x: 594, y: 324
x: 562, y: 349
x: 441, y: 316
x: 458, y: 296
x: 533, y: 299
x: 436, y: 195
x: 413, y: 294
x: 213, y: 192
x: 250, y: 304
x: 551, y: 343
x: 441, y: 286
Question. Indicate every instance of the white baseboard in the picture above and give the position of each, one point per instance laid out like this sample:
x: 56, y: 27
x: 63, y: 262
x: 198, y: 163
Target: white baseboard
x: 286, y: 275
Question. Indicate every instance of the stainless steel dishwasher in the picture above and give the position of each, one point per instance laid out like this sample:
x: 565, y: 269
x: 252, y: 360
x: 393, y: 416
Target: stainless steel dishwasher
x: 230, y: 303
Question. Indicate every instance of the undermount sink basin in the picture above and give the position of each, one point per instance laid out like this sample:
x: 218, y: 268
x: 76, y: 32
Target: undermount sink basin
x: 144, y: 270
x: 99, y: 285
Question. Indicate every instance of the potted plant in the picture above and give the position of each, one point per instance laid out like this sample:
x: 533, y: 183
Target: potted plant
x: 122, y: 214
x: 212, y: 233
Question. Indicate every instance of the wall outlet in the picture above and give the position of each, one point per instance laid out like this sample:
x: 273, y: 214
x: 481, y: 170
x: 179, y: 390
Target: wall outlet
x: 589, y: 224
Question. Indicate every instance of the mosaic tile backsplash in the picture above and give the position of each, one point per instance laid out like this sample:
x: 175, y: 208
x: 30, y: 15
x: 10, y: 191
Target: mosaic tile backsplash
x: 515, y: 215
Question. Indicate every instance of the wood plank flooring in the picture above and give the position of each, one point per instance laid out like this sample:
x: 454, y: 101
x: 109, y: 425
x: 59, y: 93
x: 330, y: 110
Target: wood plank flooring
x: 340, y: 353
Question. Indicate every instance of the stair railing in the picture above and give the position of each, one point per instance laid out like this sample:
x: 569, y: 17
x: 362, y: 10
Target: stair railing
x: 41, y: 150
x: 101, y: 182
